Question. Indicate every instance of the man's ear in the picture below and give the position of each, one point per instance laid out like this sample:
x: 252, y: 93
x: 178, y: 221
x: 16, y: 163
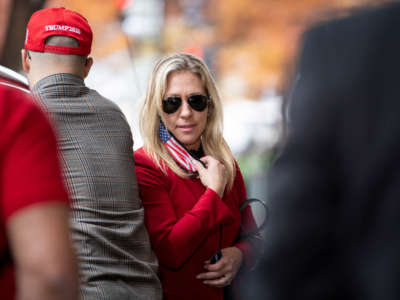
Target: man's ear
x: 88, y: 65
x: 26, y: 62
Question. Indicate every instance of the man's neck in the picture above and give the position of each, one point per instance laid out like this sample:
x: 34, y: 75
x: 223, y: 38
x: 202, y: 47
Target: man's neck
x: 35, y: 78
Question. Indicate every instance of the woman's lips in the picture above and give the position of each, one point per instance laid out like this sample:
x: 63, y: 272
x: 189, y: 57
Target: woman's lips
x: 186, y: 127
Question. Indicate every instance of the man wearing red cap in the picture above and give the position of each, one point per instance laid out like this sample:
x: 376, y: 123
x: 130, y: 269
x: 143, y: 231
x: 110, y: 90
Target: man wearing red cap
x: 36, y: 256
x: 112, y: 244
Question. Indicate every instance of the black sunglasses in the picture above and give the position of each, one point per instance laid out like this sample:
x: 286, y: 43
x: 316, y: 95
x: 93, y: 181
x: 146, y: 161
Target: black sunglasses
x: 172, y: 104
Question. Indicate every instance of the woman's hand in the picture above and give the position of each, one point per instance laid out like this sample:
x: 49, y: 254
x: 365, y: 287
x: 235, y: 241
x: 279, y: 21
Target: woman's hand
x: 213, y: 175
x: 223, y: 271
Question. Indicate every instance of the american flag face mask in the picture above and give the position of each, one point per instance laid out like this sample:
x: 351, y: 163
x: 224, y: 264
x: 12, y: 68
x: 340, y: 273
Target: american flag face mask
x: 176, y: 150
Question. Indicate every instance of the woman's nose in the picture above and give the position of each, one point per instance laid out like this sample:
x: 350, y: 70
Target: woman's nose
x: 186, y: 110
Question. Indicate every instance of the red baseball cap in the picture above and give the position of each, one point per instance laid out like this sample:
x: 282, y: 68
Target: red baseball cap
x: 58, y: 21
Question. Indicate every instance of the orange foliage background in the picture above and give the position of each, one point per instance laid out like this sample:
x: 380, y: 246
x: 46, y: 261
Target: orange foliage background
x: 256, y: 39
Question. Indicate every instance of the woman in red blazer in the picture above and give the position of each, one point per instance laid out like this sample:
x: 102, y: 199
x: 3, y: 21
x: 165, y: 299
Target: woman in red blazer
x: 189, y: 182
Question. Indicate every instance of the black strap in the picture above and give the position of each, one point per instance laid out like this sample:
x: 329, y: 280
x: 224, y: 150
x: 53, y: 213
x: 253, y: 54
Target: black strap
x: 256, y: 232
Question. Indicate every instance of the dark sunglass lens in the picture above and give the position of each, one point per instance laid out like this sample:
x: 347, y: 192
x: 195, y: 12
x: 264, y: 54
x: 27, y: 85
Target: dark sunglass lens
x: 171, y: 104
x: 198, y: 102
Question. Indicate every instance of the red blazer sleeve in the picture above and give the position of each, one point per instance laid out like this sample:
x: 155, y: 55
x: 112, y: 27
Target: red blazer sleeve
x: 175, y: 239
x: 30, y: 163
x: 248, y: 246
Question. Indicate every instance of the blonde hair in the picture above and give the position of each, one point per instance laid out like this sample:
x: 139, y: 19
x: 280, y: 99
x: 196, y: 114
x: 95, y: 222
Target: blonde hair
x: 212, y: 140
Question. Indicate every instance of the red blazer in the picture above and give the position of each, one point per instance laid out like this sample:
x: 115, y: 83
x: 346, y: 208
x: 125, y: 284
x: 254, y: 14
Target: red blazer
x: 187, y: 224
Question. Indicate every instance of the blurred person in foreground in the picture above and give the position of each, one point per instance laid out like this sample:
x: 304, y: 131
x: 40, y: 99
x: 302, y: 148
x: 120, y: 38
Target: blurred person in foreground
x: 189, y: 182
x: 334, y: 191
x: 113, y: 247
x: 36, y: 256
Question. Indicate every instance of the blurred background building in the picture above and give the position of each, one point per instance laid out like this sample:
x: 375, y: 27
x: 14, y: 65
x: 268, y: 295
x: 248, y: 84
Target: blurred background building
x: 248, y: 44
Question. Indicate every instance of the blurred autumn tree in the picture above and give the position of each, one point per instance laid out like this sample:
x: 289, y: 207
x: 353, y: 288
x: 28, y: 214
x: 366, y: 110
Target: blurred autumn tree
x: 260, y: 37
x: 103, y: 17
x: 254, y: 40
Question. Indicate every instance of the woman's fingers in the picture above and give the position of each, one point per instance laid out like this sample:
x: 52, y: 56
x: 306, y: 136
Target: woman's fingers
x: 212, y: 175
x: 206, y: 159
x: 220, y: 282
x: 224, y: 271
x: 213, y: 271
x: 219, y: 274
x: 210, y: 275
x: 217, y: 279
x: 199, y: 166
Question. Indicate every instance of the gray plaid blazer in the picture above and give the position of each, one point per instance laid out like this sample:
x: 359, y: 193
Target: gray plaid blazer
x: 112, y: 244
